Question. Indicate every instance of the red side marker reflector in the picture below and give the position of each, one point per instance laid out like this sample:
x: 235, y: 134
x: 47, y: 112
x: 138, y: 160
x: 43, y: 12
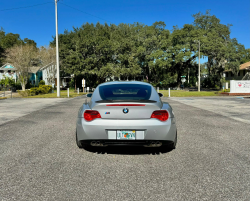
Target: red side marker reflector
x: 124, y: 105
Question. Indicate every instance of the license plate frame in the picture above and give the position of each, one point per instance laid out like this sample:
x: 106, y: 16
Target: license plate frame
x: 126, y: 135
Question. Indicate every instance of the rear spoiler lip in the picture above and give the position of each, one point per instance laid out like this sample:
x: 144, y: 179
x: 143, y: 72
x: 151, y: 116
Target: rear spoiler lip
x: 126, y: 101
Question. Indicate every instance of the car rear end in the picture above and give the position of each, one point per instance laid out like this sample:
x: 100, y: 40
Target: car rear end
x: 127, y: 113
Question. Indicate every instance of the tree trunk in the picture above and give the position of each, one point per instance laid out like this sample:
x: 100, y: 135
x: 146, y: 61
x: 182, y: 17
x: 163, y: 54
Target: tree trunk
x: 179, y: 79
x: 75, y: 82
x: 23, y: 87
x: 209, y: 66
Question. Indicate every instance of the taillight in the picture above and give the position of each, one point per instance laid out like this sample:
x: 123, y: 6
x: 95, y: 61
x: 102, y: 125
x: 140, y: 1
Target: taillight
x: 90, y: 115
x: 162, y: 115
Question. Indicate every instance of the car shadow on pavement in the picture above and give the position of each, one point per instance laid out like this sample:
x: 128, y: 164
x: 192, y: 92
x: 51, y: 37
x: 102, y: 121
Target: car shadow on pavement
x: 128, y: 150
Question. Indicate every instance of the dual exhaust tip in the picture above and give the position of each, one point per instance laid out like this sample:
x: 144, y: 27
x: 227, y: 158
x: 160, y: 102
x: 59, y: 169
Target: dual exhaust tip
x: 154, y: 144
x: 97, y: 144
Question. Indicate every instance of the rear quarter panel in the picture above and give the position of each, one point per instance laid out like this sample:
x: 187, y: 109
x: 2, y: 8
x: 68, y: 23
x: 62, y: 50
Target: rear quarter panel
x: 166, y: 106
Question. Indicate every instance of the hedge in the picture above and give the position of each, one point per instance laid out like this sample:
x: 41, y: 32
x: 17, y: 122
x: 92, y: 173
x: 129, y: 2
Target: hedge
x: 43, y: 89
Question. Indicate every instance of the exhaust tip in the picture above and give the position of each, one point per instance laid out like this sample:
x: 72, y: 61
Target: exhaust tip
x: 93, y: 143
x: 158, y: 143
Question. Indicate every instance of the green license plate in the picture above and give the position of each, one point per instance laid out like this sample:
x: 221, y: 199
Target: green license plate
x: 125, y: 135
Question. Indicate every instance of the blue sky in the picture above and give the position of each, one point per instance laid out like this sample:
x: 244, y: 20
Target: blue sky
x: 38, y: 23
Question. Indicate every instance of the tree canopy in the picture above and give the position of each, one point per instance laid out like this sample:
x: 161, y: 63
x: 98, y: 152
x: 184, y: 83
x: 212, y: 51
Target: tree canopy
x: 161, y: 56
x: 8, y: 40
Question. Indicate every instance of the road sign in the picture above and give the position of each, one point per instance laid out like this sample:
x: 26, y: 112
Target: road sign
x: 183, y: 76
x: 83, y: 82
x: 183, y: 80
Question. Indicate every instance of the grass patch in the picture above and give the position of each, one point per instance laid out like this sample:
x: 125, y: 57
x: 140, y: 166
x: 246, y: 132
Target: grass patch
x: 182, y: 93
x: 1, y: 98
x: 63, y: 94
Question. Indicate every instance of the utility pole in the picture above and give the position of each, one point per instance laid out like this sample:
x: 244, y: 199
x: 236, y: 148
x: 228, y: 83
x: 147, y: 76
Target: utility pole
x: 57, y: 54
x: 199, y: 74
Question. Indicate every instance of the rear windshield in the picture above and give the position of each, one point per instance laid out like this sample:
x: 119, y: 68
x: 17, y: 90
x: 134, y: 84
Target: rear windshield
x: 125, y: 92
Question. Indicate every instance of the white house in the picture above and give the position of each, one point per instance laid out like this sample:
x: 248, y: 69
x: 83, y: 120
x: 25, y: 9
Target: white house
x: 8, y: 70
x: 46, y: 73
x: 49, y: 75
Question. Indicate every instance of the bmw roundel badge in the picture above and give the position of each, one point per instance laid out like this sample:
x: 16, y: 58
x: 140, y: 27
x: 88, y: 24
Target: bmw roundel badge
x: 125, y: 110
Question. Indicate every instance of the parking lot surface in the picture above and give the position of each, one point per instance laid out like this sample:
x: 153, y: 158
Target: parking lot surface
x: 237, y: 108
x: 18, y: 107
x: 39, y: 160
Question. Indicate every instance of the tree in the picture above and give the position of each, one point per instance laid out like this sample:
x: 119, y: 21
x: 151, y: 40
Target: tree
x: 234, y: 55
x: 9, y: 40
x: 2, y: 35
x: 215, y: 40
x: 127, y: 50
x: 22, y: 57
x: 29, y: 42
x: 245, y: 56
x: 47, y: 56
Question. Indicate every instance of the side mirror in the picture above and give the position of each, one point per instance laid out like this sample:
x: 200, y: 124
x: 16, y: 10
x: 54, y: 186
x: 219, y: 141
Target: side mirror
x: 89, y: 95
x: 160, y: 94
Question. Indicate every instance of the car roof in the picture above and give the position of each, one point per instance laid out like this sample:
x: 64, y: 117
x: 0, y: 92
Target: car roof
x: 124, y: 82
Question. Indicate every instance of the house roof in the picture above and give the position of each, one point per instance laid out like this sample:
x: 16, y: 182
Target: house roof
x: 48, y: 65
x: 7, y: 66
x: 33, y: 69
x: 245, y: 66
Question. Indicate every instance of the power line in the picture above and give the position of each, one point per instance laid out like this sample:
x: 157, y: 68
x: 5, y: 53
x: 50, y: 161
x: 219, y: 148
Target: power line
x: 25, y: 6
x: 84, y: 12
x: 53, y: 3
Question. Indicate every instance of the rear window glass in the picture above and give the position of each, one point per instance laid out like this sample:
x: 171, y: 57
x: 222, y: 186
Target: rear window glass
x: 125, y: 92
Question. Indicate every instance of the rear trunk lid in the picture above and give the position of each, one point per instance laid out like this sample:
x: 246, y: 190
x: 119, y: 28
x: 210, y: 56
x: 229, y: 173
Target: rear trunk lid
x: 126, y: 110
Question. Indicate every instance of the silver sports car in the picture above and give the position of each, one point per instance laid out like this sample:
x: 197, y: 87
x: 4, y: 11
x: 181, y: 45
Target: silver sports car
x: 126, y: 113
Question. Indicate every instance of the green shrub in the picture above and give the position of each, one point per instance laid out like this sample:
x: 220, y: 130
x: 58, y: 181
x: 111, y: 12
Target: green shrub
x: 44, y: 89
x: 7, y: 81
x: 217, y: 87
x: 34, y: 91
x: 41, y: 83
x: 225, y: 90
x: 24, y: 93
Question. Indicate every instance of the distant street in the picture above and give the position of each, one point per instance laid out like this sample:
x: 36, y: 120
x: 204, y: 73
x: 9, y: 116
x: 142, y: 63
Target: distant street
x: 39, y: 159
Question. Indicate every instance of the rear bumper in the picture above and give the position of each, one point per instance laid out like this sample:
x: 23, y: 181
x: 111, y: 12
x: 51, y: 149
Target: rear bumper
x: 153, y: 129
x: 146, y: 143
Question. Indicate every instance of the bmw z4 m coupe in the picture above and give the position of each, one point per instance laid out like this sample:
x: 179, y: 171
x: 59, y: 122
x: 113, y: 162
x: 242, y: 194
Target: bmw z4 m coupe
x: 126, y: 113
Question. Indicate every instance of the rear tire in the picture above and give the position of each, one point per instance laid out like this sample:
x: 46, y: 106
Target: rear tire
x: 175, y: 141
x: 78, y: 143
x: 171, y: 146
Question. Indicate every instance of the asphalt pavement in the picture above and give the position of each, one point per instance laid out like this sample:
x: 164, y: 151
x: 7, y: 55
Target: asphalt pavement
x: 39, y: 160
x: 13, y: 108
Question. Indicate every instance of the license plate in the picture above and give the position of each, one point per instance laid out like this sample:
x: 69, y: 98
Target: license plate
x: 125, y: 135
